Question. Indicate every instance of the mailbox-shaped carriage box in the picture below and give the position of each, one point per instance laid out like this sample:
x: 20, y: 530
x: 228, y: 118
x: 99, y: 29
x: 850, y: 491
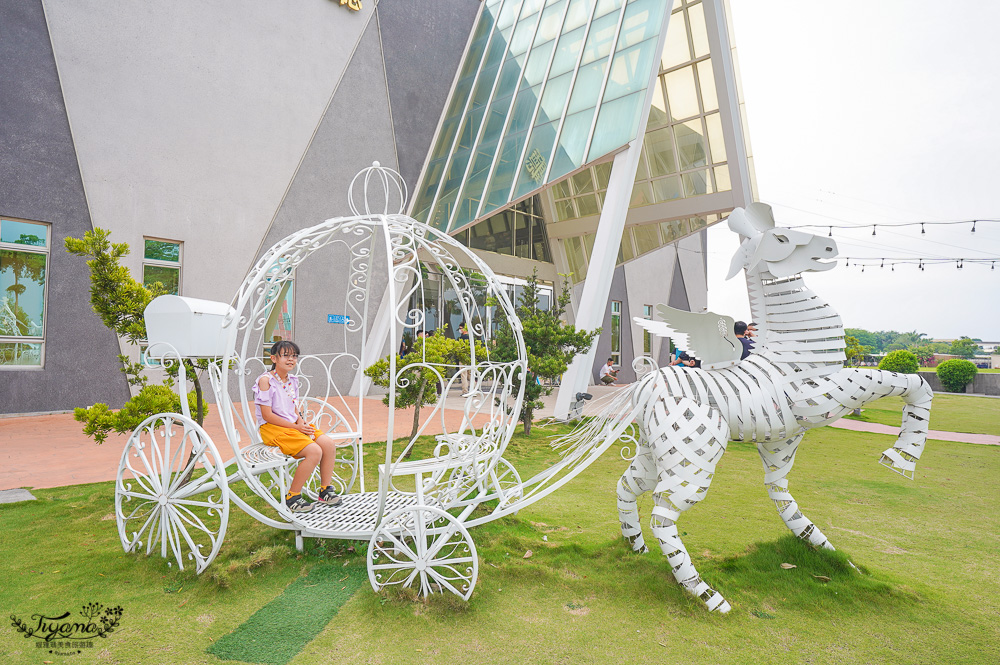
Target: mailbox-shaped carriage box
x: 195, y: 328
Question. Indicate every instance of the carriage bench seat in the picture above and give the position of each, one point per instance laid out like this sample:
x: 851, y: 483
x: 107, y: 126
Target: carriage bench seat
x: 260, y: 457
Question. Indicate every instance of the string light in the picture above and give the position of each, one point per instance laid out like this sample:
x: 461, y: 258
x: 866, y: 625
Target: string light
x: 921, y: 263
x: 831, y: 227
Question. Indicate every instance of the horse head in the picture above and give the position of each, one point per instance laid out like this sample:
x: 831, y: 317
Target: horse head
x: 776, y: 251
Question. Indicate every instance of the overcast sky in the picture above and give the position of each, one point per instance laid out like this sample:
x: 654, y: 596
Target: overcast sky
x: 877, y: 112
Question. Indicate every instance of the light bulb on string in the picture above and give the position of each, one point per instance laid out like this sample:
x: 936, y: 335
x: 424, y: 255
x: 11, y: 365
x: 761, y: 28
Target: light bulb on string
x: 883, y: 264
x: 830, y: 234
x: 873, y: 229
x: 922, y: 228
x: 973, y: 226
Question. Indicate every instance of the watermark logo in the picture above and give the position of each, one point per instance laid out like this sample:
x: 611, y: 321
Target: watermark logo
x: 65, y: 634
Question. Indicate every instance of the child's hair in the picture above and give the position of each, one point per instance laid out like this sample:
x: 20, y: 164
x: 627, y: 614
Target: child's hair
x: 283, y: 345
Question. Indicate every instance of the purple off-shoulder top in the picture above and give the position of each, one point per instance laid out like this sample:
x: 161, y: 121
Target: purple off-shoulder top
x: 275, y: 397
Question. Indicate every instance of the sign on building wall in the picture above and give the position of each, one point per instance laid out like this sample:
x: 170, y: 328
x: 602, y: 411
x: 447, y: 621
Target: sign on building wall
x: 338, y: 318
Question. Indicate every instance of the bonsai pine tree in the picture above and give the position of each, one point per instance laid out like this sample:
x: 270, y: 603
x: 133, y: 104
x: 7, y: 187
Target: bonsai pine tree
x: 120, y: 302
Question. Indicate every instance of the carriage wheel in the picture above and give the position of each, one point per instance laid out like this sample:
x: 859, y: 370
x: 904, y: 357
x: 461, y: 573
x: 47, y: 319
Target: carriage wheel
x: 426, y: 548
x: 505, y: 481
x: 168, y: 462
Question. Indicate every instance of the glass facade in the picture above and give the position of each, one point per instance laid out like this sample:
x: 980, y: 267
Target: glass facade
x: 636, y: 241
x: 518, y: 231
x: 546, y: 86
x: 684, y: 150
x: 24, y: 258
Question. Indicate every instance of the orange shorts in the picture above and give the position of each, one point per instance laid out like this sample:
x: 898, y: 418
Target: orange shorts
x: 290, y: 441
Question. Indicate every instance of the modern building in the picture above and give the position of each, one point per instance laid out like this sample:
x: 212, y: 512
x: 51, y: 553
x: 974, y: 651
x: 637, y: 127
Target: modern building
x: 588, y: 140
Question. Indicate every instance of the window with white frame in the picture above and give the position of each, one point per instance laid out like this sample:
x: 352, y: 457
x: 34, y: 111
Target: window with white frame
x: 24, y: 259
x: 161, y: 262
x: 647, y: 340
x: 616, y: 332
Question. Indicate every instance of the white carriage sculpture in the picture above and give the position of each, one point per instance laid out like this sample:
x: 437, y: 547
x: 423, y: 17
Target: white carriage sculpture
x: 173, y: 491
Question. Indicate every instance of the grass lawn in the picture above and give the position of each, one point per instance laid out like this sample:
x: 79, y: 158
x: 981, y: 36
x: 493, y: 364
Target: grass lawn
x: 926, y: 592
x: 950, y: 413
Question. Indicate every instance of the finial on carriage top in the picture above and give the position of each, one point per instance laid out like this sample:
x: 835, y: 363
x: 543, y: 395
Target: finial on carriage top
x: 389, y: 199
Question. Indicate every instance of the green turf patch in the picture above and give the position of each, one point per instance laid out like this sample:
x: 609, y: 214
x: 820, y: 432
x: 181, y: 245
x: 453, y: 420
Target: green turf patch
x: 279, y: 630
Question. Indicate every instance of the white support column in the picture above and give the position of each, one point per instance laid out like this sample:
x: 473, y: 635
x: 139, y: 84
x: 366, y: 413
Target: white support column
x: 601, y: 268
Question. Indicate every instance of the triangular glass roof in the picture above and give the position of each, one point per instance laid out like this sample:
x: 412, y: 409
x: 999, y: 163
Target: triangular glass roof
x: 545, y: 87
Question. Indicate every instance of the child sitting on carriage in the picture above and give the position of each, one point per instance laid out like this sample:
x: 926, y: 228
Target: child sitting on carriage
x: 281, y: 424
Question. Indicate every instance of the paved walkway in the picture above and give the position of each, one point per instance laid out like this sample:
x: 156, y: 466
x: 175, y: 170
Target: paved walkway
x: 50, y: 450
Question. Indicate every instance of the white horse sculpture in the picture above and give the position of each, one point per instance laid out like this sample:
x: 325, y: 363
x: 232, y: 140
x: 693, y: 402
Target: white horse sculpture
x: 792, y: 382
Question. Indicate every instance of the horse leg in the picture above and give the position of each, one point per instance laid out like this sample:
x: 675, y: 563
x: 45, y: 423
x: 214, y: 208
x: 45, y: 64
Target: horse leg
x: 855, y: 388
x: 639, y: 478
x: 687, y: 441
x: 902, y: 457
x: 778, y: 462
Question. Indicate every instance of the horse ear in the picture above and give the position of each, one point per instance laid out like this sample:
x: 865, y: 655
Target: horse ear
x: 739, y: 223
x: 760, y: 216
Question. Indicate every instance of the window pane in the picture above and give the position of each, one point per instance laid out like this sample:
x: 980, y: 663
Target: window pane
x: 660, y: 151
x: 572, y: 142
x: 630, y: 70
x: 587, y: 87
x: 699, y: 33
x: 647, y: 238
x: 673, y: 230
x: 716, y: 140
x: 706, y: 81
x: 23, y: 354
x: 658, y: 110
x: 24, y: 233
x: 682, y: 96
x: 587, y: 205
x: 540, y: 242
x: 722, y: 181
x: 617, y: 124
x: 536, y: 160
x: 503, y: 176
x: 603, y: 174
x: 538, y: 61
x: 574, y: 257
x: 567, y: 52
x: 691, y: 146
x: 524, y: 108
x: 554, y: 99
x: 642, y: 195
x: 22, y: 293
x: 565, y: 210
x: 666, y: 189
x: 675, y: 49
x: 625, y: 252
x: 605, y: 6
x: 601, y: 39
x: 642, y: 21
x: 522, y: 236
x: 168, y: 277
x: 163, y: 251
x: 523, y: 34
x: 549, y: 26
x: 583, y: 182
x: 279, y: 321
x: 578, y: 14
x: 697, y: 183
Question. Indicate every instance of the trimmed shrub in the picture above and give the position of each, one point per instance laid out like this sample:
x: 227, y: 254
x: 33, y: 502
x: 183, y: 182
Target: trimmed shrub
x: 900, y: 361
x: 956, y: 374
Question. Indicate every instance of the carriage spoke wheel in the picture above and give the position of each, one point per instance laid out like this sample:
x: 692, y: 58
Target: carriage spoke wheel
x: 171, y: 493
x: 506, y: 482
x: 424, y: 548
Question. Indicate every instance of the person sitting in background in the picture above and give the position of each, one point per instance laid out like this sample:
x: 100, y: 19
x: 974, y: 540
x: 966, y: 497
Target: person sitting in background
x: 740, y: 328
x: 608, y: 373
x: 685, y: 360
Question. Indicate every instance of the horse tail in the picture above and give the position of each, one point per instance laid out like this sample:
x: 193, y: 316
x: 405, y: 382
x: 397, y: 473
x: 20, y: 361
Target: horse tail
x: 607, y: 424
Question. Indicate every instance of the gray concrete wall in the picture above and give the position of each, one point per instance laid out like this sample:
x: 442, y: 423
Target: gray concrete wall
x: 190, y: 118
x: 982, y: 384
x: 619, y: 292
x: 40, y: 181
x: 422, y: 42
